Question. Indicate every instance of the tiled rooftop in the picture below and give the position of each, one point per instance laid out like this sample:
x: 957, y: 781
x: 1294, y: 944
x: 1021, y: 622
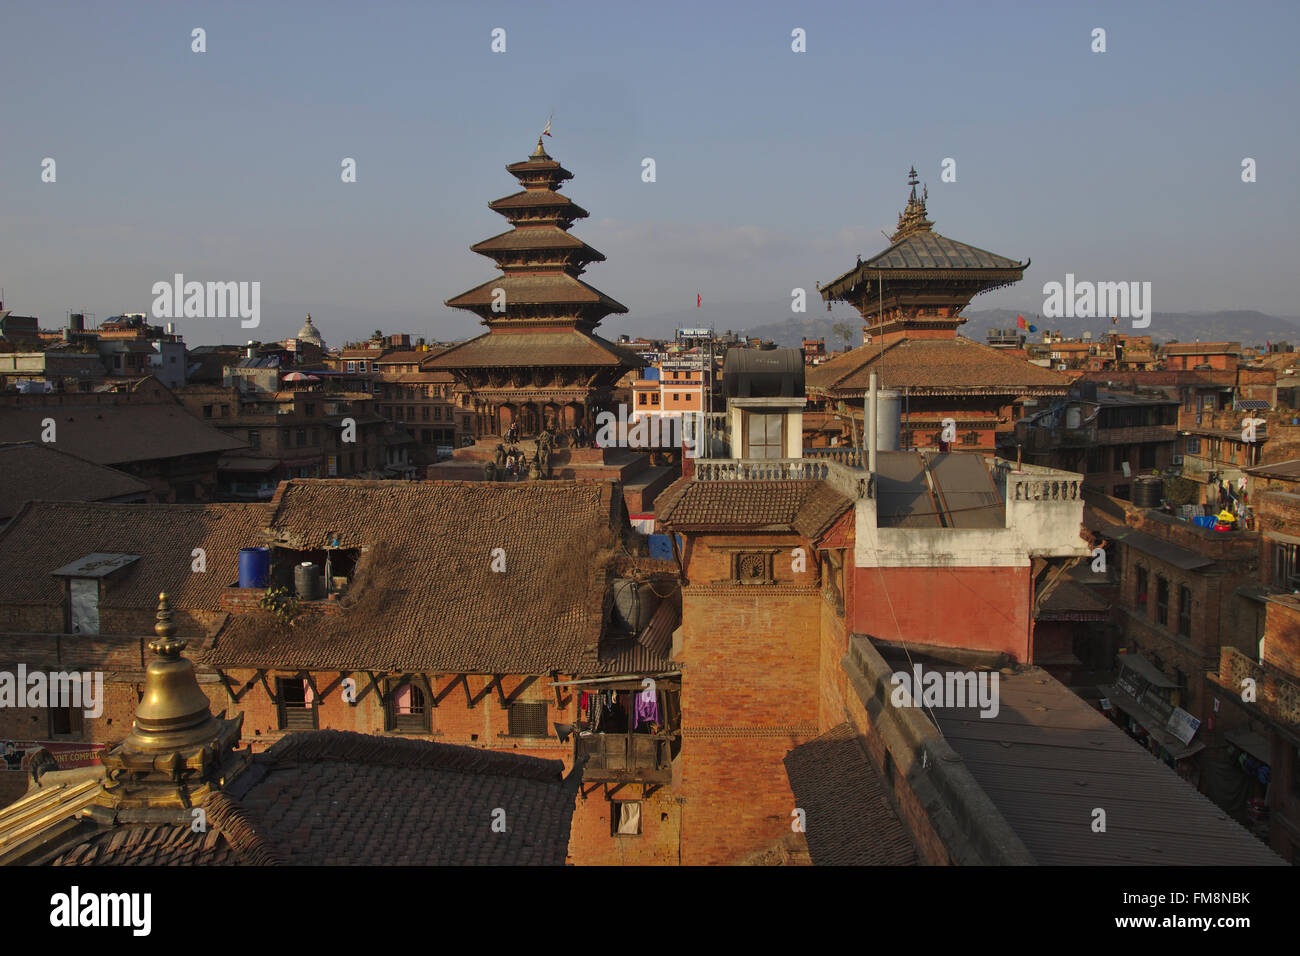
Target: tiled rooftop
x: 932, y: 365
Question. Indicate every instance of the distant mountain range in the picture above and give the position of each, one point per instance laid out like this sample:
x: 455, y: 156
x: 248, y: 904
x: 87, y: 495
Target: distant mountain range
x: 1246, y: 327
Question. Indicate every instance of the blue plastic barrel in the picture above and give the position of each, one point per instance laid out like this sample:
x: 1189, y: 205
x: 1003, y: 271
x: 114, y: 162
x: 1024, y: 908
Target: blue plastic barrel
x: 254, y: 567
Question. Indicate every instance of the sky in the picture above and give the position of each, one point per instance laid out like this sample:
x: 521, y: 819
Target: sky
x: 774, y: 169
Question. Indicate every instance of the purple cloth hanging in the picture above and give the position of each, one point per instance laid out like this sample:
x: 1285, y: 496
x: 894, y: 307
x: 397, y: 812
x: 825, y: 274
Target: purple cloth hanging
x: 647, y: 708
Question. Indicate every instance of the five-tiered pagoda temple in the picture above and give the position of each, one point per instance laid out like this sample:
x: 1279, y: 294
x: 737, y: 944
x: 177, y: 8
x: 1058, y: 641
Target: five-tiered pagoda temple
x: 539, y: 363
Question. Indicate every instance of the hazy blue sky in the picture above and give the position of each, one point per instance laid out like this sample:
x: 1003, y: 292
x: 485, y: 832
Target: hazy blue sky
x: 774, y: 168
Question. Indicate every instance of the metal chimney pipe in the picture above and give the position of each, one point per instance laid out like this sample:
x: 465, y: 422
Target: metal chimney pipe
x: 871, y: 426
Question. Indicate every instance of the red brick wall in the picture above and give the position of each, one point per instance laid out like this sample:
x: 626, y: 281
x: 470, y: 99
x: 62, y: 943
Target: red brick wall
x: 750, y: 662
x: 932, y: 849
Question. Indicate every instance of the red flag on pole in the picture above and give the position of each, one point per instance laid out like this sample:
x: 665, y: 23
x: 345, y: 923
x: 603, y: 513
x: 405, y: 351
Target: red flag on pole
x: 697, y: 300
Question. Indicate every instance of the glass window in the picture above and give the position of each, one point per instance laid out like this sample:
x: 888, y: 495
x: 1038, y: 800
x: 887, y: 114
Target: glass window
x: 1162, y: 600
x: 764, y: 433
x: 1141, y: 597
x: 1185, y: 611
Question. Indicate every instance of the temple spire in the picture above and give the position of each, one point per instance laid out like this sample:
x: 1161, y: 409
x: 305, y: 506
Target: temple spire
x: 913, y: 218
x: 177, y: 752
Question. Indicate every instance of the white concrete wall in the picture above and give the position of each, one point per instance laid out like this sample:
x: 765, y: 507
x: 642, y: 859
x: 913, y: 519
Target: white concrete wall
x: 1044, y: 521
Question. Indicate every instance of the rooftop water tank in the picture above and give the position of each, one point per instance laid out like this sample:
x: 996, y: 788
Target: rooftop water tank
x: 1147, y: 492
x: 889, y: 405
x: 634, y: 603
x: 254, y: 567
x: 763, y: 373
x: 308, y: 582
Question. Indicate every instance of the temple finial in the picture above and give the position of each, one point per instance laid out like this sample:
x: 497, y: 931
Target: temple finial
x: 913, y: 218
x: 165, y: 644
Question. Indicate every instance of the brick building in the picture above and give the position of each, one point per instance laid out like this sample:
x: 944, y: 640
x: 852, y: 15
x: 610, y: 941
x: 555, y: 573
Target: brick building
x: 296, y: 433
x: 1177, y: 356
x: 176, y: 790
x: 437, y: 644
x: 1110, y: 437
x: 31, y: 471
x: 1179, y: 605
x: 143, y: 431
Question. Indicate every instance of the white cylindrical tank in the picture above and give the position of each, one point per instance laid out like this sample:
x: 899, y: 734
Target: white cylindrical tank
x: 889, y: 405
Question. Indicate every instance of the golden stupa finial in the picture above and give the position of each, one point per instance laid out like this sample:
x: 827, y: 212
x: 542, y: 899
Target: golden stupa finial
x: 165, y: 644
x: 174, y: 712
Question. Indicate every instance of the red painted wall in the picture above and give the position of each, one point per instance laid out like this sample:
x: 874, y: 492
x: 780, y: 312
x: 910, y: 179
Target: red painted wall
x: 977, y: 608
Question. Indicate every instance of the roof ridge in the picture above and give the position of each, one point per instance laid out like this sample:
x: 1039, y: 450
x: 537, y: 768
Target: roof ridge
x: 234, y: 821
x: 345, y: 745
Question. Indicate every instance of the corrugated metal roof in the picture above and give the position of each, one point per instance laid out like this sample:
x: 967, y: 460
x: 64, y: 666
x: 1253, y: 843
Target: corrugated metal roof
x: 1048, y: 760
x: 1146, y: 670
x: 97, y: 565
x: 968, y: 494
x: 903, y: 498
x: 1169, y: 553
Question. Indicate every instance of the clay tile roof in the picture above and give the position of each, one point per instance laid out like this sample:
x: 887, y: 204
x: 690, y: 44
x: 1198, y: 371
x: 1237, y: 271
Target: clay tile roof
x: 29, y: 471
x: 45, y: 536
x: 528, y: 348
x: 1201, y: 348
x: 151, y: 844
x: 558, y: 289
x: 849, y: 818
x: 533, y: 237
x: 116, y: 434
x: 932, y: 365
x: 333, y: 797
x: 539, y: 197
x: 805, y: 506
x: 425, y: 596
x: 1068, y: 600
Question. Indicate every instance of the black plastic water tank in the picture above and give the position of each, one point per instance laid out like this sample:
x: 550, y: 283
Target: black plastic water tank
x: 1147, y: 492
x: 763, y: 373
x: 308, y: 583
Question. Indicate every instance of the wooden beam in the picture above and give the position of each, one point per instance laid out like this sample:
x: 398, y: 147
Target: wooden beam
x: 379, y: 691
x: 677, y: 555
x: 315, y: 694
x: 333, y: 684
x: 561, y: 701
x: 487, y: 689
x: 225, y: 682
x: 438, y: 698
x: 523, y: 686
x: 428, y: 688
x: 261, y: 675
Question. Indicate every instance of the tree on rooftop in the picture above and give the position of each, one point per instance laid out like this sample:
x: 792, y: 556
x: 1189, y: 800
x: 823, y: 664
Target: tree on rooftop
x: 845, y: 331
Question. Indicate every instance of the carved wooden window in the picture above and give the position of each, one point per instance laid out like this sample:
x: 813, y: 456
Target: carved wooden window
x: 527, y: 720
x: 408, y: 708
x: 752, y: 567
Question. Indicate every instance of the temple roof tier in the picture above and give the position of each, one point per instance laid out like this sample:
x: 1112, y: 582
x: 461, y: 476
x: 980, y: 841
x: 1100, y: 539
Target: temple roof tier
x: 557, y: 347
